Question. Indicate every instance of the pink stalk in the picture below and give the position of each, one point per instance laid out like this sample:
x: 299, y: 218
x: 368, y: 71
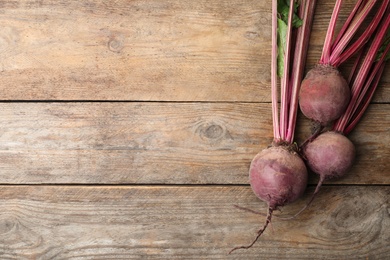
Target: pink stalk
x: 347, y: 23
x: 350, y: 32
x: 353, y: 72
x: 337, y: 59
x: 284, y: 127
x: 285, y: 78
x: 361, y: 77
x: 328, y: 39
x: 367, y: 85
x: 274, y: 76
x: 299, y: 65
x: 370, y: 94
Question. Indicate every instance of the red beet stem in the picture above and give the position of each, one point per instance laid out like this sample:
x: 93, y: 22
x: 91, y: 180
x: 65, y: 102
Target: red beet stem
x: 347, y: 22
x: 350, y: 32
x: 337, y: 58
x: 286, y: 74
x: 284, y: 126
x: 355, y: 66
x: 368, y: 85
x: 329, y: 35
x: 363, y: 75
x: 303, y: 36
x: 364, y: 106
x: 274, y: 77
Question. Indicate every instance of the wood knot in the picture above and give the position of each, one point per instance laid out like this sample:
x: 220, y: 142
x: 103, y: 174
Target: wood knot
x: 7, y: 225
x: 115, y: 45
x: 17, y: 235
x: 211, y: 131
x: 251, y: 35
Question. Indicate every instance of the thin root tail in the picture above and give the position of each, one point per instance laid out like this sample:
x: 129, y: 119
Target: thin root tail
x: 259, y: 233
x: 250, y: 210
x: 308, y: 203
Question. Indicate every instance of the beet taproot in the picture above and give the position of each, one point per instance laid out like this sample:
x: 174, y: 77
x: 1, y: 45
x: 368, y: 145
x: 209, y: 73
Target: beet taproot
x: 324, y: 94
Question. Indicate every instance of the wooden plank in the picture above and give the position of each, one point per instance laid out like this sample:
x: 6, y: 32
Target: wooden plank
x: 176, y: 143
x: 57, y: 222
x: 172, y: 50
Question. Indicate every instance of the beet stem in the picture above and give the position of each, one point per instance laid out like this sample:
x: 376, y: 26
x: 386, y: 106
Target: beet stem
x: 286, y: 76
x: 355, y: 66
x: 351, y: 31
x: 325, y: 56
x: 274, y: 77
x: 259, y: 233
x: 316, y: 133
x: 363, y: 73
x: 370, y: 94
x: 338, y: 59
x: 299, y: 65
x: 347, y: 23
x: 369, y: 81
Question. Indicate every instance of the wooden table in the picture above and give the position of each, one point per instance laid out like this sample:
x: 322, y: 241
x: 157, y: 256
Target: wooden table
x: 127, y: 129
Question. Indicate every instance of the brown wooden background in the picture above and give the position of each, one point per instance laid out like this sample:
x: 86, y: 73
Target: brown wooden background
x: 127, y: 128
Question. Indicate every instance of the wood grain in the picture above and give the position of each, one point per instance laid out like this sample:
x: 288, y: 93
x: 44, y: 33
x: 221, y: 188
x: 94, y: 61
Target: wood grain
x: 171, y: 50
x: 126, y: 178
x: 157, y: 143
x: 46, y: 222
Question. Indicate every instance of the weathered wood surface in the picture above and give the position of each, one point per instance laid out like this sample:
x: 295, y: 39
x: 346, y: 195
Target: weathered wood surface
x: 177, y: 143
x: 172, y: 50
x: 49, y: 222
x: 58, y: 159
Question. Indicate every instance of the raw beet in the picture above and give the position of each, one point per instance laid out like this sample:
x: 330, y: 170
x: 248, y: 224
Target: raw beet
x: 330, y: 155
x: 324, y: 94
x: 278, y: 176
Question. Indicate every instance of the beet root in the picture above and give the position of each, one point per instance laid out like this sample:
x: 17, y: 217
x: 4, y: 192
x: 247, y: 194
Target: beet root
x: 330, y: 155
x: 277, y: 176
x: 324, y: 94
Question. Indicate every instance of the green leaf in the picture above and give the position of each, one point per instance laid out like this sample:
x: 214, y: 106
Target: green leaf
x: 282, y: 31
x: 381, y: 50
x: 283, y: 10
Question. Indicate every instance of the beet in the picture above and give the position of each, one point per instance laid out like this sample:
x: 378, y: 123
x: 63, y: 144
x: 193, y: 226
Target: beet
x: 330, y: 155
x: 324, y: 94
x: 278, y: 176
